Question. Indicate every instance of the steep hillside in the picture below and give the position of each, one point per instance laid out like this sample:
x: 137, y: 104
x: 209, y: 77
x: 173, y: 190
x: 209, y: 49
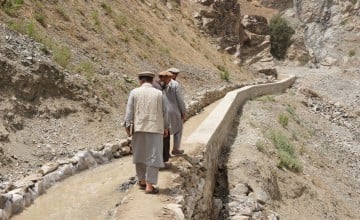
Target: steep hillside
x: 65, y: 87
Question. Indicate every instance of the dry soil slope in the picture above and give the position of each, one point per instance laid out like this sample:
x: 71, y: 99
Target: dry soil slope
x: 104, y: 44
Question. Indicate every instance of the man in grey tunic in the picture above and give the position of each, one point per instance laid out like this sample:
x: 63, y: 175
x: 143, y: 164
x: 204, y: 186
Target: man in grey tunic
x: 176, y: 109
x: 146, y: 111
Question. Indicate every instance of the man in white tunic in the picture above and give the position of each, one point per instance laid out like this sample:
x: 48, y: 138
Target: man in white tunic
x: 146, y: 112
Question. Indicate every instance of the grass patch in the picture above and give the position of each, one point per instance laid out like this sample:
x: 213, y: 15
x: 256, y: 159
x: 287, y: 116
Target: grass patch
x: 96, y: 19
x: 62, y: 13
x: 292, y: 113
x: 10, y: 7
x: 120, y: 21
x: 260, y: 146
x: 266, y: 98
x: 225, y: 75
x: 164, y: 50
x: 291, y: 110
x: 106, y: 8
x: 62, y: 55
x: 286, y: 151
x: 86, y: 68
x: 283, y: 120
x: 40, y: 17
x: 352, y: 53
x: 25, y: 28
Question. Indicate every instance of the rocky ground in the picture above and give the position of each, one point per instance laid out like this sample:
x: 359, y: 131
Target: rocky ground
x: 323, y: 125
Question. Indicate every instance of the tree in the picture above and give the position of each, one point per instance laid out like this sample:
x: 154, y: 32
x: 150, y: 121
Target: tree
x: 280, y: 35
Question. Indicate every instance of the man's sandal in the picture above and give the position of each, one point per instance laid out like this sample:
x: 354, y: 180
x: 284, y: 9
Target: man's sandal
x: 141, y: 186
x: 153, y: 191
x: 177, y: 152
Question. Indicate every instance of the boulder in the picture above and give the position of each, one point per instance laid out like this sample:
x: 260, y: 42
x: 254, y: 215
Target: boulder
x: 255, y: 24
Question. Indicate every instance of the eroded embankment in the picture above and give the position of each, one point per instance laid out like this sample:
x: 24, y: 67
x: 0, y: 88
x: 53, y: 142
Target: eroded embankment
x: 211, y: 136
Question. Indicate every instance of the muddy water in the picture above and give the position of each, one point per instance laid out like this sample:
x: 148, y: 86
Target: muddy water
x: 92, y: 194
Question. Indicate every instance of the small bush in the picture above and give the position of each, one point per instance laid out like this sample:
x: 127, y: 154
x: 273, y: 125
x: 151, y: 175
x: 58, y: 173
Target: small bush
x: 62, y: 55
x: 288, y: 161
x: 293, y: 115
x: 107, y: 8
x: 95, y: 16
x: 24, y: 28
x: 283, y: 120
x: 87, y: 69
x: 62, y: 13
x: 291, y: 110
x: 40, y: 17
x: 10, y: 6
x: 225, y: 75
x: 266, y: 98
x: 280, y: 35
x: 260, y: 146
x: 286, y: 151
x: 352, y: 53
x: 281, y: 142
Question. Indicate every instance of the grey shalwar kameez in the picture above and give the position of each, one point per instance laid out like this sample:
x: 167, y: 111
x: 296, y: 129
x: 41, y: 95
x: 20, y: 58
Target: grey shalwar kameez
x: 175, y: 107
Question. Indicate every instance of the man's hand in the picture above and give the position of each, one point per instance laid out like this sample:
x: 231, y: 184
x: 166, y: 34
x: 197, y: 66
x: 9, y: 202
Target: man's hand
x: 128, y: 132
x: 183, y: 117
x: 166, y: 132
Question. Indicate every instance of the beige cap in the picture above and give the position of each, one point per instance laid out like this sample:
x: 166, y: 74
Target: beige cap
x: 173, y: 70
x: 165, y: 73
x: 146, y: 73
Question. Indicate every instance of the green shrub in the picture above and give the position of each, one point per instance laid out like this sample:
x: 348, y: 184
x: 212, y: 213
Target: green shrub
x: 352, y: 53
x: 86, y: 68
x: 225, y: 75
x: 286, y: 151
x: 266, y: 98
x: 10, y: 6
x: 283, y: 120
x: 281, y: 142
x: 107, y: 8
x: 280, y: 35
x: 24, y: 28
x: 40, y: 17
x: 288, y: 161
x: 62, y: 13
x: 95, y: 16
x: 62, y: 55
x: 260, y: 146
